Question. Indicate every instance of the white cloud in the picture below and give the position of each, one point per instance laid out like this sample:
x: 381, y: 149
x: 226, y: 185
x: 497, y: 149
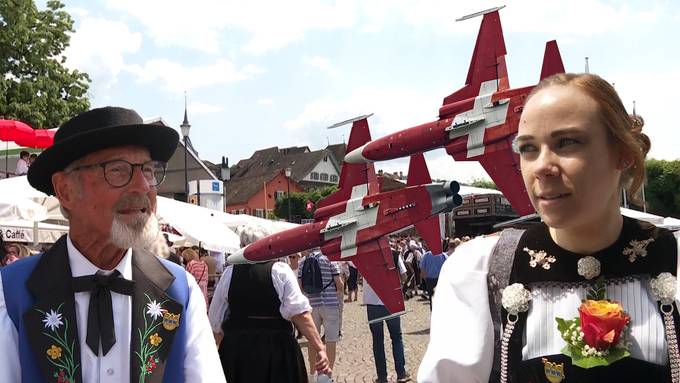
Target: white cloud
x: 98, y: 47
x: 394, y: 109
x: 269, y: 25
x: 261, y: 26
x: 321, y: 63
x: 265, y: 101
x: 197, y: 107
x: 176, y: 77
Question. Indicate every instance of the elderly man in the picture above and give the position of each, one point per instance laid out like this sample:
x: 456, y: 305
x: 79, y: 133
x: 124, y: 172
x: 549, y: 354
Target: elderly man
x: 97, y: 307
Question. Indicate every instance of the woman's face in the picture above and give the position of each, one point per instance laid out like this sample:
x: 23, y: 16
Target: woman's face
x: 569, y: 167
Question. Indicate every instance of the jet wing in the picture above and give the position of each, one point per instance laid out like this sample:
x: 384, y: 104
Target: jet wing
x: 354, y: 174
x: 503, y: 168
x: 488, y: 60
x: 375, y: 263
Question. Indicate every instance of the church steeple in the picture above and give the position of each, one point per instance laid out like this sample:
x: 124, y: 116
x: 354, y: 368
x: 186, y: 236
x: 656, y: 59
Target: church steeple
x: 186, y: 119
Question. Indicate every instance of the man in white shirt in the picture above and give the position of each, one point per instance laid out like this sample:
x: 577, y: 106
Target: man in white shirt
x: 98, y: 307
x: 22, y: 163
x: 375, y: 310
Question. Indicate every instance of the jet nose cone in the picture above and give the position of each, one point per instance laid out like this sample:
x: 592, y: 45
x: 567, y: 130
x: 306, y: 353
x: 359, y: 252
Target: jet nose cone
x: 356, y: 156
x: 237, y: 258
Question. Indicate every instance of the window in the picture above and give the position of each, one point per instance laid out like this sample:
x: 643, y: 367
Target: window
x: 324, y: 177
x: 325, y: 158
x: 334, y: 178
x: 259, y: 213
x: 234, y: 211
x: 241, y: 211
x: 279, y: 194
x: 314, y: 176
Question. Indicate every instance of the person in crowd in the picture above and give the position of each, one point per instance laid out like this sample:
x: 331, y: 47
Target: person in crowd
x: 431, y: 266
x: 251, y: 314
x: 375, y: 309
x: 31, y: 159
x: 172, y: 254
x: 352, y: 283
x: 412, y: 257
x: 344, y: 273
x: 198, y: 269
x: 12, y: 253
x: 22, y: 163
x: 97, y: 306
x: 3, y: 252
x: 611, y: 280
x: 324, y: 299
x: 212, y: 267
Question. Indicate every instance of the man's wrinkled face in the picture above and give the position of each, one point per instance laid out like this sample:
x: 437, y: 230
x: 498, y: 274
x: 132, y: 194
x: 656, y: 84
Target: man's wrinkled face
x: 123, y: 214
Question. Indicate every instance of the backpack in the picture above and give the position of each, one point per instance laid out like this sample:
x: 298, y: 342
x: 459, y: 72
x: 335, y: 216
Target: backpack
x: 311, y: 276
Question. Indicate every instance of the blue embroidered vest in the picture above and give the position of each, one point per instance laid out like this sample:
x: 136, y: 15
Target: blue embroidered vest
x: 20, y: 300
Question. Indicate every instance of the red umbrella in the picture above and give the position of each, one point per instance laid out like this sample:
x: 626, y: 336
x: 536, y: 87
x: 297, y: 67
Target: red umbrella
x: 24, y: 135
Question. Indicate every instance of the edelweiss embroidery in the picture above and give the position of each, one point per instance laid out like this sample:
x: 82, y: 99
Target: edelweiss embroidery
x: 60, y: 353
x: 637, y: 249
x: 150, y: 340
x: 540, y: 258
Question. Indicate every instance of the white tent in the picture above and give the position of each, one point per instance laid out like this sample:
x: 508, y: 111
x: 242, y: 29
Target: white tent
x: 13, y: 208
x: 25, y: 231
x: 198, y: 224
x: 642, y: 216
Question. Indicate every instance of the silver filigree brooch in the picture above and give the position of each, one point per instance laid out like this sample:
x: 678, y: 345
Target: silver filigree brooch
x: 663, y: 288
x: 588, y: 267
x: 637, y: 249
x: 540, y: 258
x: 516, y: 298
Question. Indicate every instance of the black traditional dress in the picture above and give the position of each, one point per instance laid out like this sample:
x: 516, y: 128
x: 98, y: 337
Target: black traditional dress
x: 533, y: 349
x: 258, y: 343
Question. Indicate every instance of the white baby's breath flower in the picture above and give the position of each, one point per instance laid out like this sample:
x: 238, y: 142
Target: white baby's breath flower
x: 516, y: 298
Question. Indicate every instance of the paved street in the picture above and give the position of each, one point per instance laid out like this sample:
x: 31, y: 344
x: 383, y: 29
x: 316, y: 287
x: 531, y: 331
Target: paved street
x: 354, y: 362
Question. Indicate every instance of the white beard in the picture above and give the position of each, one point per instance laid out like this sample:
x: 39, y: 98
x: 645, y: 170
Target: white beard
x: 140, y: 234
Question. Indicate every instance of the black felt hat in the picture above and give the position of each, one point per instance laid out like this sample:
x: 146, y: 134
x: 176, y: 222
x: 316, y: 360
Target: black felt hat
x: 95, y: 130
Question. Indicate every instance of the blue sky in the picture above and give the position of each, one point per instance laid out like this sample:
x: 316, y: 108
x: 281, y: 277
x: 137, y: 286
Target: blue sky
x: 276, y: 73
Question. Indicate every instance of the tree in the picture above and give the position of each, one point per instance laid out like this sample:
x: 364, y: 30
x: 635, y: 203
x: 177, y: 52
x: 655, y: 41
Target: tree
x: 35, y: 86
x: 298, y: 203
x: 483, y: 183
x: 663, y: 183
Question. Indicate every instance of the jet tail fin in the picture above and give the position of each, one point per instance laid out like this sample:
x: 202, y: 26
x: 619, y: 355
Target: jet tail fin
x: 552, y: 60
x: 353, y: 174
x: 417, y: 171
x: 488, y: 60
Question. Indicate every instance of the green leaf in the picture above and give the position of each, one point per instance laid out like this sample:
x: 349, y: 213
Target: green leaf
x: 577, y: 359
x: 597, y: 291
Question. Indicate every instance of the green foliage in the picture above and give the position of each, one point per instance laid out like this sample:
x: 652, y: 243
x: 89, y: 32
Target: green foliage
x: 597, y: 290
x: 663, y: 183
x: 35, y: 86
x: 574, y: 350
x: 483, y: 183
x: 298, y: 203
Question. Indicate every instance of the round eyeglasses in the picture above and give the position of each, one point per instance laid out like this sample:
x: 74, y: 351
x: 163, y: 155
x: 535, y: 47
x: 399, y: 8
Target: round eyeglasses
x: 118, y: 173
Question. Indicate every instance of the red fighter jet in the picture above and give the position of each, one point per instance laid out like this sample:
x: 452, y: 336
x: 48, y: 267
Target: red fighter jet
x: 479, y: 121
x: 351, y: 224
